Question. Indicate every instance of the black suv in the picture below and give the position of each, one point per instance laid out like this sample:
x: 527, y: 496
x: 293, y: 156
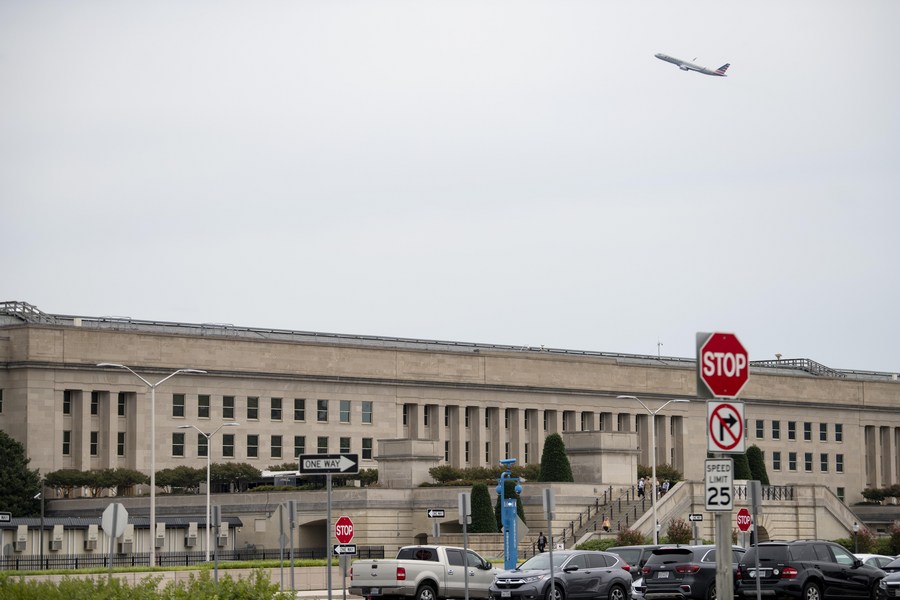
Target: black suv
x: 807, y: 569
x: 635, y: 556
x: 683, y: 572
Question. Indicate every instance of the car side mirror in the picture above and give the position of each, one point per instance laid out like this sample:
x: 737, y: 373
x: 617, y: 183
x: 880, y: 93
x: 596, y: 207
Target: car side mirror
x: 857, y: 563
x: 570, y: 568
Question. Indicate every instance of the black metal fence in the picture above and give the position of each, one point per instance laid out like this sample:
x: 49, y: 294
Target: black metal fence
x: 166, y: 559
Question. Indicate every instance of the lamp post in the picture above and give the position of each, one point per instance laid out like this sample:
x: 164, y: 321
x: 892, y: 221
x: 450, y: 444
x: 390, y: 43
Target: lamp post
x: 208, y: 436
x: 653, y: 414
x: 855, y: 537
x: 152, y: 387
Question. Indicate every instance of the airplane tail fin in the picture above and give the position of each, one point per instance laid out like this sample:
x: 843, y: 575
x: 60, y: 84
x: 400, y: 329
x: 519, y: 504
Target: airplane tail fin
x: 721, y: 70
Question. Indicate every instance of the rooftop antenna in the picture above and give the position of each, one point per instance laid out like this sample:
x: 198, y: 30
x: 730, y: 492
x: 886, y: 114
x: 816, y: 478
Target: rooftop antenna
x: 658, y: 349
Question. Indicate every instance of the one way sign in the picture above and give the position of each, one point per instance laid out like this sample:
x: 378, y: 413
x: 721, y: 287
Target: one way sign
x: 323, y: 464
x: 725, y: 426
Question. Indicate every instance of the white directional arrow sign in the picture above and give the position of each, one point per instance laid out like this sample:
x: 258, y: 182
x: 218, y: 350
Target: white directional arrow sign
x: 322, y: 464
x: 344, y: 549
x: 436, y: 513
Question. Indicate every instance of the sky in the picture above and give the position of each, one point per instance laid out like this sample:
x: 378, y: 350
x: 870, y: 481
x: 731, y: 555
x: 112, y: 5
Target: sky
x: 503, y: 172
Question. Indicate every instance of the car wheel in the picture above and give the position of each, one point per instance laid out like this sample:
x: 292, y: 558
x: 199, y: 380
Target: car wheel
x: 558, y: 593
x: 711, y: 591
x: 811, y: 591
x: 425, y: 592
x: 873, y: 594
x: 617, y: 592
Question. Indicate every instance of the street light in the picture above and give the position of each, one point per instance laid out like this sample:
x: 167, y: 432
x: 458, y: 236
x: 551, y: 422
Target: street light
x: 653, y: 414
x: 855, y: 537
x: 208, y: 453
x: 152, y: 387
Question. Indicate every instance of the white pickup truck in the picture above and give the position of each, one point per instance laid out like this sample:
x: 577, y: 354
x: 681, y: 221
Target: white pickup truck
x: 423, y: 573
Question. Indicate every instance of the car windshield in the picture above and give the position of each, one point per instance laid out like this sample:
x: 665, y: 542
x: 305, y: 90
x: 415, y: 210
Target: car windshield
x: 541, y: 562
x: 894, y: 564
x: 629, y: 555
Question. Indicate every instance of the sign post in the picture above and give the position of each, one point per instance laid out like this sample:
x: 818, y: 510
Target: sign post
x: 723, y: 368
x: 113, y: 522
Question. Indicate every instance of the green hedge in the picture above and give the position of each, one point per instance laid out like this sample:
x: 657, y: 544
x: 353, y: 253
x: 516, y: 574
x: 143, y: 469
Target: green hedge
x: 257, y: 587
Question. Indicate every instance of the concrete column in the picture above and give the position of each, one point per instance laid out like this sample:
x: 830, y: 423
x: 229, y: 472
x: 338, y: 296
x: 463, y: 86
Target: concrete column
x: 109, y: 427
x: 496, y: 435
x: 887, y: 455
x: 554, y: 424
x: 517, y: 434
x: 623, y: 422
x: 81, y: 430
x: 457, y: 436
x: 413, y: 421
x: 476, y: 436
x: 642, y: 426
x: 870, y: 452
x: 533, y: 435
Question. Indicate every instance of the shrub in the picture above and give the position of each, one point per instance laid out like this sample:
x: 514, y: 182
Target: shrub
x: 630, y: 537
x: 554, y: 461
x: 597, y: 544
x: 482, y: 513
x: 678, y: 532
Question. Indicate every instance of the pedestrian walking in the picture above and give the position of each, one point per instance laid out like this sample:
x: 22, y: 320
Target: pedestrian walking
x: 541, y: 541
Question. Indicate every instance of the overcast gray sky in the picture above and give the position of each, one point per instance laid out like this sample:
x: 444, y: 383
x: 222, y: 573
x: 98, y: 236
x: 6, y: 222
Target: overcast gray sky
x: 510, y: 172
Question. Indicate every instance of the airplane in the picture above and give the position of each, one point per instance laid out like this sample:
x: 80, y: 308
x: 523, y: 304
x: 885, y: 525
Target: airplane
x: 686, y: 66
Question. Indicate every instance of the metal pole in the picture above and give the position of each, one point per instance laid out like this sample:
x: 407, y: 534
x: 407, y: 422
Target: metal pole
x: 328, y: 550
x: 653, y: 475
x: 42, y: 525
x: 152, y: 476
x: 208, y: 478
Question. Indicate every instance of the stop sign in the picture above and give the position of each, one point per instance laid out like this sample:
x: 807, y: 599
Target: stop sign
x: 343, y: 529
x: 722, y: 365
x: 743, y: 519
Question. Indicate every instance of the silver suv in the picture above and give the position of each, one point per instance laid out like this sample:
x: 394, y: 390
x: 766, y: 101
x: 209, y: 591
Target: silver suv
x: 577, y: 574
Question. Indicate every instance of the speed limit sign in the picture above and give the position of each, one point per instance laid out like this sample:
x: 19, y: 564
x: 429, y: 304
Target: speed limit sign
x: 719, y: 484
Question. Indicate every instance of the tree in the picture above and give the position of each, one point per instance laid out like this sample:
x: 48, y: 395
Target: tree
x: 554, y: 461
x: 236, y: 474
x: 757, y: 464
x: 181, y: 477
x: 482, y: 513
x: 678, y: 532
x: 18, y: 484
x: 66, y: 480
x: 742, y: 467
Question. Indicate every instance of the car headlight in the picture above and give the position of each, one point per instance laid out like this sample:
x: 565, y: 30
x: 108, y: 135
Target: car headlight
x: 534, y: 578
x: 882, y: 584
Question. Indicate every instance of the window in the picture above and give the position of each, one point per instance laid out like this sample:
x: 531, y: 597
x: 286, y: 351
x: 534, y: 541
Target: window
x: 252, y: 445
x: 426, y: 415
x: 776, y: 462
x: 367, y: 411
x: 792, y: 430
x: 839, y: 432
x: 95, y: 443
x: 67, y: 443
x: 776, y: 430
x: 299, y: 409
x: 405, y: 415
x: 322, y: 444
x: 487, y: 418
x: 275, y: 446
x: 467, y: 452
x: 506, y: 419
x: 299, y: 445
x: 177, y: 405
x: 121, y: 404
x: 95, y: 403
x: 792, y: 461
x: 546, y: 419
x: 203, y: 406
x: 228, y: 445
x: 527, y: 422
x: 345, y: 411
x: 345, y: 445
x: 1, y: 400
x: 228, y: 407
x: 526, y: 455
x: 506, y: 450
x: 823, y: 432
x: 367, y: 449
x: 807, y: 431
x: 467, y: 416
x: 202, y: 445
x: 275, y: 412
x: 178, y: 444
x: 807, y: 462
x: 67, y: 402
x: 487, y: 452
x: 760, y: 431
x: 252, y: 408
x: 839, y: 463
x: 840, y: 493
x: 446, y: 416
x: 322, y: 411
x: 823, y: 462
x: 446, y: 450
x: 120, y: 443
